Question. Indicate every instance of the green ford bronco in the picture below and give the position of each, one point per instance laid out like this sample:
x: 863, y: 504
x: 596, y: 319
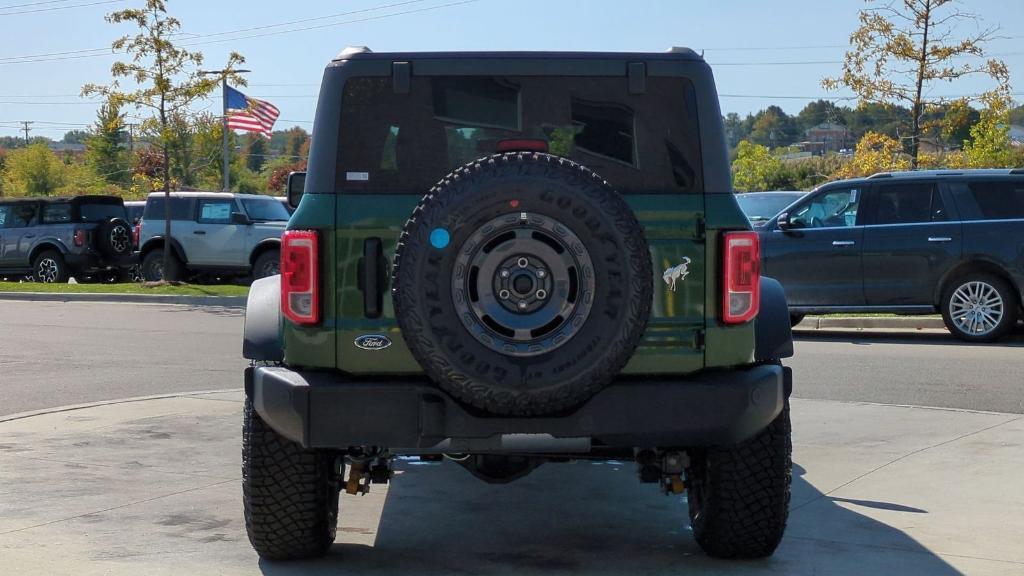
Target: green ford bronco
x: 507, y: 259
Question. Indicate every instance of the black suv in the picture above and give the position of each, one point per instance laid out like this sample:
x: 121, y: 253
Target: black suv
x: 56, y: 238
x: 907, y: 243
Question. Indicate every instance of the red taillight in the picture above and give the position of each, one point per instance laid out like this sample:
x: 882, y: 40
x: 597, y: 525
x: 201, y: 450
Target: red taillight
x: 135, y: 234
x: 741, y: 277
x: 300, y: 278
x: 522, y: 145
x: 79, y: 237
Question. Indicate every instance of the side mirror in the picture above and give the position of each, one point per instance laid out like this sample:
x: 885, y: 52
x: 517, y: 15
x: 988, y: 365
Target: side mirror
x: 783, y: 221
x: 240, y: 218
x: 296, y: 186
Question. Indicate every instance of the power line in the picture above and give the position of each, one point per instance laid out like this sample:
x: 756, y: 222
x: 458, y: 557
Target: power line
x: 51, y: 9
x: 33, y: 4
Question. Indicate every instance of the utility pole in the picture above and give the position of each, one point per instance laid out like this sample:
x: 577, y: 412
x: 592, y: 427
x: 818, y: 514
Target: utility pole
x: 25, y: 128
x: 224, y: 96
x: 131, y: 138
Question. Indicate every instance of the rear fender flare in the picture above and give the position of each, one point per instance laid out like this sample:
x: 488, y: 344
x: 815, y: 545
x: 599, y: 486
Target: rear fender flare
x: 772, y: 334
x: 261, y: 338
x: 156, y: 241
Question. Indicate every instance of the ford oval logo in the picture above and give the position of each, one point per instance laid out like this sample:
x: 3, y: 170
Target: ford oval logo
x: 372, y: 342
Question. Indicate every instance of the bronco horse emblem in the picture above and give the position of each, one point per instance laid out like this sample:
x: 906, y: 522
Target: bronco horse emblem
x: 675, y: 273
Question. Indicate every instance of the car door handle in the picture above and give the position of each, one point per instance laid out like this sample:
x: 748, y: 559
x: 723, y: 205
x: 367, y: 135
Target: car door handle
x: 843, y: 242
x: 939, y: 239
x: 199, y: 231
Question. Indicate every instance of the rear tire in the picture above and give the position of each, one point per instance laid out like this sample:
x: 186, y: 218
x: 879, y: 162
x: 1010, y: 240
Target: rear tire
x: 266, y: 264
x: 49, y: 268
x: 979, y: 307
x: 739, y: 495
x: 289, y: 494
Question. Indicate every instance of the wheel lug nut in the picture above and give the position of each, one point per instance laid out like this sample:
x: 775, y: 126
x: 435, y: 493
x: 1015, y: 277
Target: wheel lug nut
x: 541, y: 273
x: 504, y: 294
x: 541, y: 294
x: 522, y: 304
x: 523, y: 262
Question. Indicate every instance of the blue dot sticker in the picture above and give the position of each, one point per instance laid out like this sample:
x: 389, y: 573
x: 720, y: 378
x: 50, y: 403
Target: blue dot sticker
x: 439, y: 238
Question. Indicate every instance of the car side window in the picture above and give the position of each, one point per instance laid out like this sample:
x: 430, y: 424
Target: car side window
x: 907, y: 204
x: 215, y: 211
x: 4, y: 210
x: 56, y: 213
x: 832, y: 209
x: 19, y: 216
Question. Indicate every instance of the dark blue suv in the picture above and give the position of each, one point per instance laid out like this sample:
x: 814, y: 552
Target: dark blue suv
x: 907, y: 243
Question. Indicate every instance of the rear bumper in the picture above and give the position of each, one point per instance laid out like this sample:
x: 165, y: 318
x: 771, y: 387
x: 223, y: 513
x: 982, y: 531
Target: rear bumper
x: 323, y: 410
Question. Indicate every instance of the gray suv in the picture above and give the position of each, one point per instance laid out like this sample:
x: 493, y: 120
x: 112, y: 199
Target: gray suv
x: 52, y: 239
x: 212, y: 233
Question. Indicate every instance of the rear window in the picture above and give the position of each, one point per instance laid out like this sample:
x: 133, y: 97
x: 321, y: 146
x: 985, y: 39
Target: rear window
x: 641, y: 143
x: 56, y: 213
x: 998, y: 200
x: 100, y: 212
x: 180, y: 209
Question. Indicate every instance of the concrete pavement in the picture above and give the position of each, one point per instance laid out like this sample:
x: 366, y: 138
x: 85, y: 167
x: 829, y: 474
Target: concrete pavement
x: 152, y: 487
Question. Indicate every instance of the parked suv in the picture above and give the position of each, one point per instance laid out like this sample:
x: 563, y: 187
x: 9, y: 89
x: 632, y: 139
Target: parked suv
x: 52, y: 239
x: 513, y: 259
x: 907, y: 243
x: 213, y: 233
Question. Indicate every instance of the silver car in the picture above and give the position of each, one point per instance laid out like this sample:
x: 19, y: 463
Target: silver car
x: 212, y: 233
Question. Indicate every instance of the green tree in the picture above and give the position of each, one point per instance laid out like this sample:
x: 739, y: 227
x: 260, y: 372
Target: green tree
x: 818, y: 112
x: 103, y: 147
x: 255, y: 152
x: 989, y: 146
x: 75, y: 137
x: 773, y: 127
x: 903, y: 48
x: 166, y: 79
x: 755, y: 168
x: 32, y: 171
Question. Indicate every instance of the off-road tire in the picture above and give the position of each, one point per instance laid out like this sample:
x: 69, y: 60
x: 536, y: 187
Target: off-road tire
x: 49, y: 267
x: 464, y: 204
x: 739, y: 495
x: 114, y: 238
x: 289, y: 494
x: 1010, y: 306
x: 152, y: 266
x: 267, y: 264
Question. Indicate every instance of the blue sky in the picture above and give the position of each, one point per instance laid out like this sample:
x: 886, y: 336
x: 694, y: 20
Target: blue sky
x: 757, y: 48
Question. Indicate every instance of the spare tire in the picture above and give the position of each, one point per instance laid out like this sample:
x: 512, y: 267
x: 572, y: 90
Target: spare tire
x: 522, y: 283
x: 115, y: 238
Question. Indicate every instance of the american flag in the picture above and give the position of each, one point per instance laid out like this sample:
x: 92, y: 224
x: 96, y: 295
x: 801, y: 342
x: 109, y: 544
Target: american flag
x: 250, y: 114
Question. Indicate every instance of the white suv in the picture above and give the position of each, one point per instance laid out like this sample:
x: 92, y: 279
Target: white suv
x: 212, y: 233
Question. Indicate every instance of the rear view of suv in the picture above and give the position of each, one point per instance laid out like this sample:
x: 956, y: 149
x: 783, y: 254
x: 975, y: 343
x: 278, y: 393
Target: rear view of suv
x: 212, y: 233
x: 515, y: 259
x: 53, y: 239
x: 907, y: 243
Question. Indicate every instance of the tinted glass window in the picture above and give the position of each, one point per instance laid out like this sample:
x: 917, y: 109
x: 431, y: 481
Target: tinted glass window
x: 216, y: 211
x: 907, y: 204
x: 835, y: 208
x: 180, y: 209
x: 407, y: 142
x: 134, y: 212
x: 18, y: 215
x: 268, y: 209
x: 56, y: 213
x: 95, y: 212
x: 761, y: 207
x: 999, y: 200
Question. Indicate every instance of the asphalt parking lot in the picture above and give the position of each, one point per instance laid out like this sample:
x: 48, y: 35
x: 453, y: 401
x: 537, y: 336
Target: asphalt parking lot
x: 153, y: 486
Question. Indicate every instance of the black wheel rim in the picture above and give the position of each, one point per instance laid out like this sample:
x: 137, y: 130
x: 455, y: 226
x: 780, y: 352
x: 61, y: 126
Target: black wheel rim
x: 523, y: 284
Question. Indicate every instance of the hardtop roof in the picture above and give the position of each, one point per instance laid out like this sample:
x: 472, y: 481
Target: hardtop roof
x: 364, y: 53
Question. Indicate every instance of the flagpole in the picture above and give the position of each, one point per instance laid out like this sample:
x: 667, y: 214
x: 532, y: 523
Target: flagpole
x: 225, y: 153
x: 224, y: 130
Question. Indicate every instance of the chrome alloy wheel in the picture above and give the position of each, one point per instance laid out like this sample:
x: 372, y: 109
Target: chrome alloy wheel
x: 976, y: 308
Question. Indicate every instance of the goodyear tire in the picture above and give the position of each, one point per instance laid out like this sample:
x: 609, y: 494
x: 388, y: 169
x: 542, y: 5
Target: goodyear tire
x: 289, y: 494
x: 738, y: 496
x: 522, y: 283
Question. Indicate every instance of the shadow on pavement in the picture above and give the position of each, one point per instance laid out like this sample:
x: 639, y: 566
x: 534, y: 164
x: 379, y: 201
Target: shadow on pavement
x: 595, y: 518
x: 1013, y: 340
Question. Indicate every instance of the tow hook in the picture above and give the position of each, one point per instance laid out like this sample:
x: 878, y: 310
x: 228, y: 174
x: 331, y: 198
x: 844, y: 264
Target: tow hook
x: 366, y: 471
x: 665, y: 468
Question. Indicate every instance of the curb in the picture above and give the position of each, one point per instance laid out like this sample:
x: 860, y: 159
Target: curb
x: 870, y: 322
x: 227, y: 301
x: 71, y: 407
